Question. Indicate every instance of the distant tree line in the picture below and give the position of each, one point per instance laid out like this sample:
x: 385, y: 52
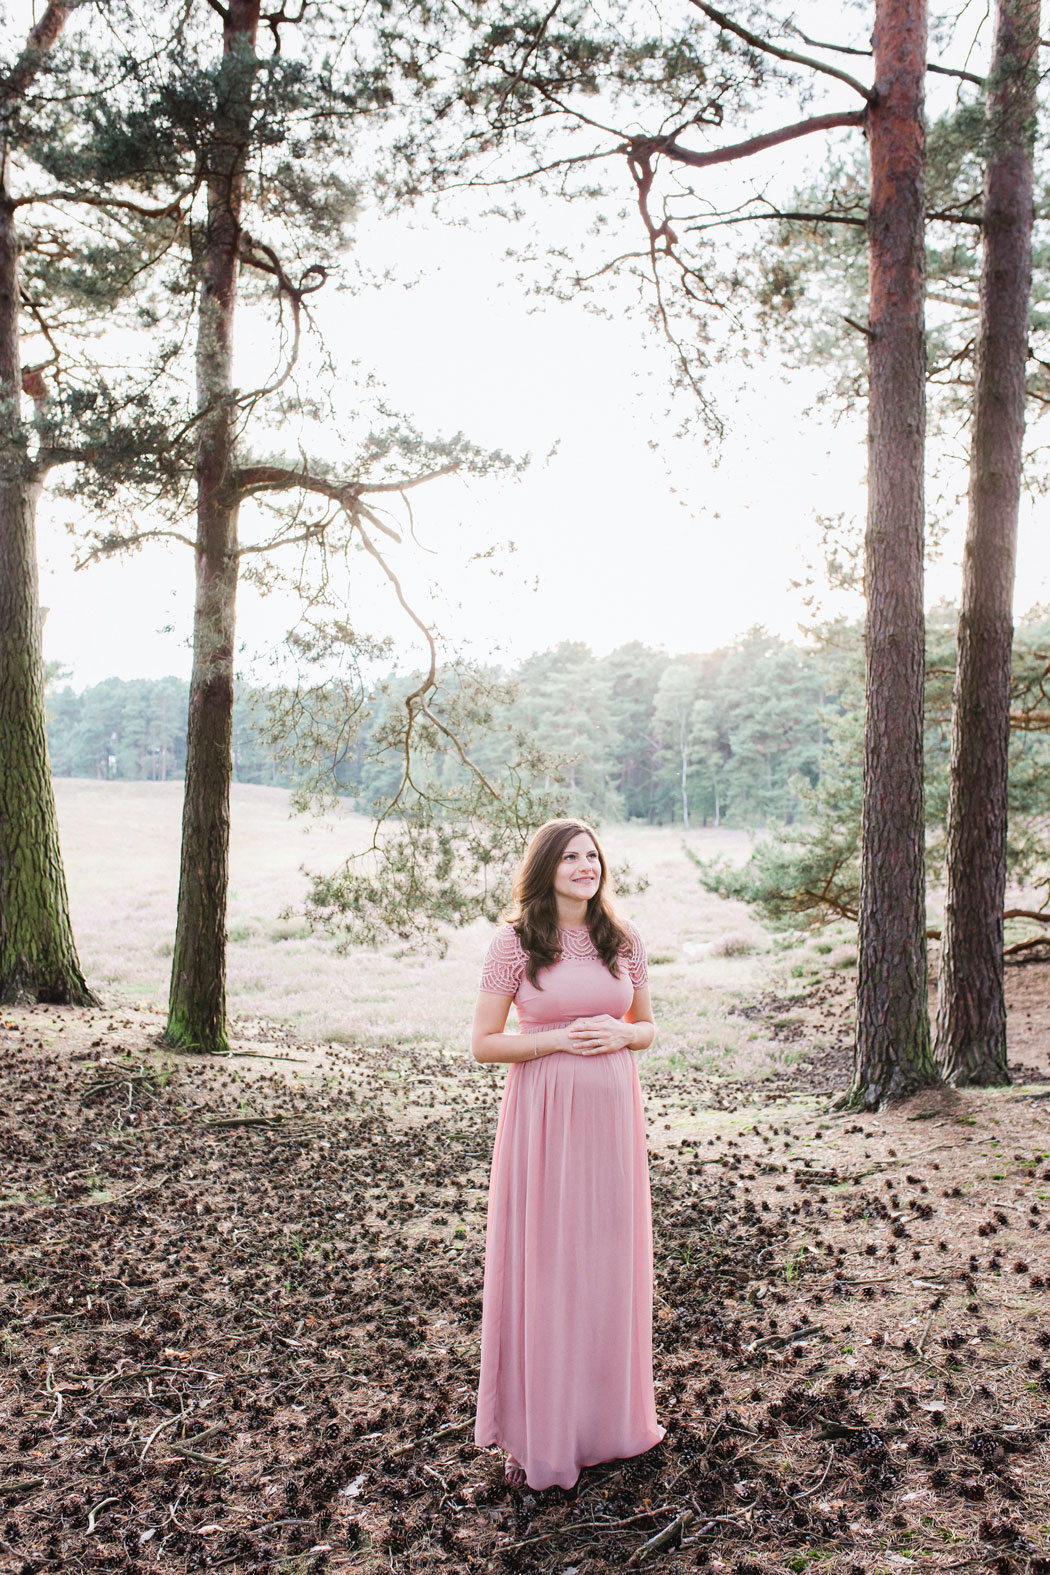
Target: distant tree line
x: 134, y: 730
x: 731, y: 737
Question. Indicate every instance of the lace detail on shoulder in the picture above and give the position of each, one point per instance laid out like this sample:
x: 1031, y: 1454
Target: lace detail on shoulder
x: 577, y: 946
x: 504, y: 965
x: 637, y: 969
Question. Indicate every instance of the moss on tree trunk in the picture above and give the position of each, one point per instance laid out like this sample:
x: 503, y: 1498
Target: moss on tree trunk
x: 38, y: 959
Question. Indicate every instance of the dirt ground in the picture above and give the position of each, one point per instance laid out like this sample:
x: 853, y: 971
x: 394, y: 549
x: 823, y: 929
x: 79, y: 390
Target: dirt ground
x: 242, y: 1298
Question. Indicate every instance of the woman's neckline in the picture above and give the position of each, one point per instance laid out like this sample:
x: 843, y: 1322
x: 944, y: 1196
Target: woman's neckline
x: 575, y: 929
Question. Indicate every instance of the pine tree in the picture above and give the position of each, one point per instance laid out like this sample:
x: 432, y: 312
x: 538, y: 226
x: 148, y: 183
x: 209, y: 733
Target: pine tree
x: 38, y: 959
x: 892, y: 1054
x: 538, y: 74
x: 971, y: 1012
x: 244, y: 149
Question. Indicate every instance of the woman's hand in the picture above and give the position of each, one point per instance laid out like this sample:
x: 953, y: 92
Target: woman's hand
x: 598, y: 1035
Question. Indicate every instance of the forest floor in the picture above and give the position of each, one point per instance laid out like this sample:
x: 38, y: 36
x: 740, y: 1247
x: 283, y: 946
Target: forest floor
x: 243, y: 1296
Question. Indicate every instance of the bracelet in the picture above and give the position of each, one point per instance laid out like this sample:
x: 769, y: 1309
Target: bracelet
x: 535, y: 1046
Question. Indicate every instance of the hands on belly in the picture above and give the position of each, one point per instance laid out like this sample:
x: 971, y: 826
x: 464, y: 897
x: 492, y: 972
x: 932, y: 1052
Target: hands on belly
x: 597, y: 1035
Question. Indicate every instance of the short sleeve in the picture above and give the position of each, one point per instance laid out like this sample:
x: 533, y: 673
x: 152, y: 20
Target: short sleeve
x: 637, y: 971
x: 504, y: 966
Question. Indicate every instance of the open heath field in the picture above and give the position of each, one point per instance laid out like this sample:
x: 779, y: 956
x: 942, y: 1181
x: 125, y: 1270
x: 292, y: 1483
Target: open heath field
x: 121, y: 845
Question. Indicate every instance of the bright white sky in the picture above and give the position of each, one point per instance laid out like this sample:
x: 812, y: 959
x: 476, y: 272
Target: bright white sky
x: 623, y: 529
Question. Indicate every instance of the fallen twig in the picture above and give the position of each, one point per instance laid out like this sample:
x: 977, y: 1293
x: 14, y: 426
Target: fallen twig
x: 186, y: 1444
x: 164, y: 1422
x: 200, y: 1460
x: 896, y: 1159
x: 852, y: 1429
x: 670, y: 1535
x: 712, y: 1522
x: 247, y: 1121
x: 585, y: 1525
x: 19, y: 1485
x: 261, y: 1055
x: 791, y: 1338
x: 114, y: 1498
x: 428, y: 1438
x: 808, y: 1492
x: 141, y: 1075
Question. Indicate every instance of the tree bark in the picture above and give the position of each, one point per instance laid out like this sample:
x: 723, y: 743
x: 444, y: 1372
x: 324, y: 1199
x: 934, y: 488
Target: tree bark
x: 971, y: 1011
x: 197, y: 999
x: 892, y: 1053
x: 38, y: 959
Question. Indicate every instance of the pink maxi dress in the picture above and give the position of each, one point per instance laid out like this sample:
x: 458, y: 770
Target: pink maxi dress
x: 566, y: 1337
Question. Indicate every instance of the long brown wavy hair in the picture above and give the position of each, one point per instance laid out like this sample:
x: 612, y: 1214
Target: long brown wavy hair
x: 534, y: 910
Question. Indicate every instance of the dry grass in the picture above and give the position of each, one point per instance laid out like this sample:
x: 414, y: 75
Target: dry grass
x: 121, y: 845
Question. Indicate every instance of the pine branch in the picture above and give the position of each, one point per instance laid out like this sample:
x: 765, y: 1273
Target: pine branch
x: 846, y: 49
x: 429, y: 682
x: 33, y: 384
x: 348, y: 495
x: 777, y: 213
x: 697, y: 159
x: 42, y: 39
x: 125, y: 543
x: 256, y: 254
x: 252, y: 479
x: 515, y: 81
x: 474, y: 184
x: 816, y: 43
x: 84, y: 199
x: 857, y: 220
x: 768, y: 48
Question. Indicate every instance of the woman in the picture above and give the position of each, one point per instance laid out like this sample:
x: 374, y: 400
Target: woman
x: 566, y: 1342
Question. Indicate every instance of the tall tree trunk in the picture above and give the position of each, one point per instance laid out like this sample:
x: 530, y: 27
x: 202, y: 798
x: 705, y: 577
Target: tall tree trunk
x: 38, y: 959
x: 892, y: 1054
x: 971, y: 1009
x: 197, y: 1000
x: 684, y: 751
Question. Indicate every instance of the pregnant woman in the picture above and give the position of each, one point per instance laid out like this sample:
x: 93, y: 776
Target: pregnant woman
x: 566, y: 1342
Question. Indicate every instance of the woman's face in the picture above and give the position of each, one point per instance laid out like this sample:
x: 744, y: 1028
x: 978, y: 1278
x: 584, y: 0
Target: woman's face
x: 579, y: 870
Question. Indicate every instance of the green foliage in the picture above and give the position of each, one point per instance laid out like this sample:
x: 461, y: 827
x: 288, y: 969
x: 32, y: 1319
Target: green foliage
x: 808, y: 875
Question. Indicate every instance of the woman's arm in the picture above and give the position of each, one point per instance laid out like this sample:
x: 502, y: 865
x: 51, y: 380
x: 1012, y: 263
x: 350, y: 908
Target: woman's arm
x: 490, y: 1043
x: 640, y: 1016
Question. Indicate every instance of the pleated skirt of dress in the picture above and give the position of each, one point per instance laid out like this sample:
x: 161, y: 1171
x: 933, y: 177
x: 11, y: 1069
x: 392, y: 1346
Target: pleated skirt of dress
x: 566, y: 1345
